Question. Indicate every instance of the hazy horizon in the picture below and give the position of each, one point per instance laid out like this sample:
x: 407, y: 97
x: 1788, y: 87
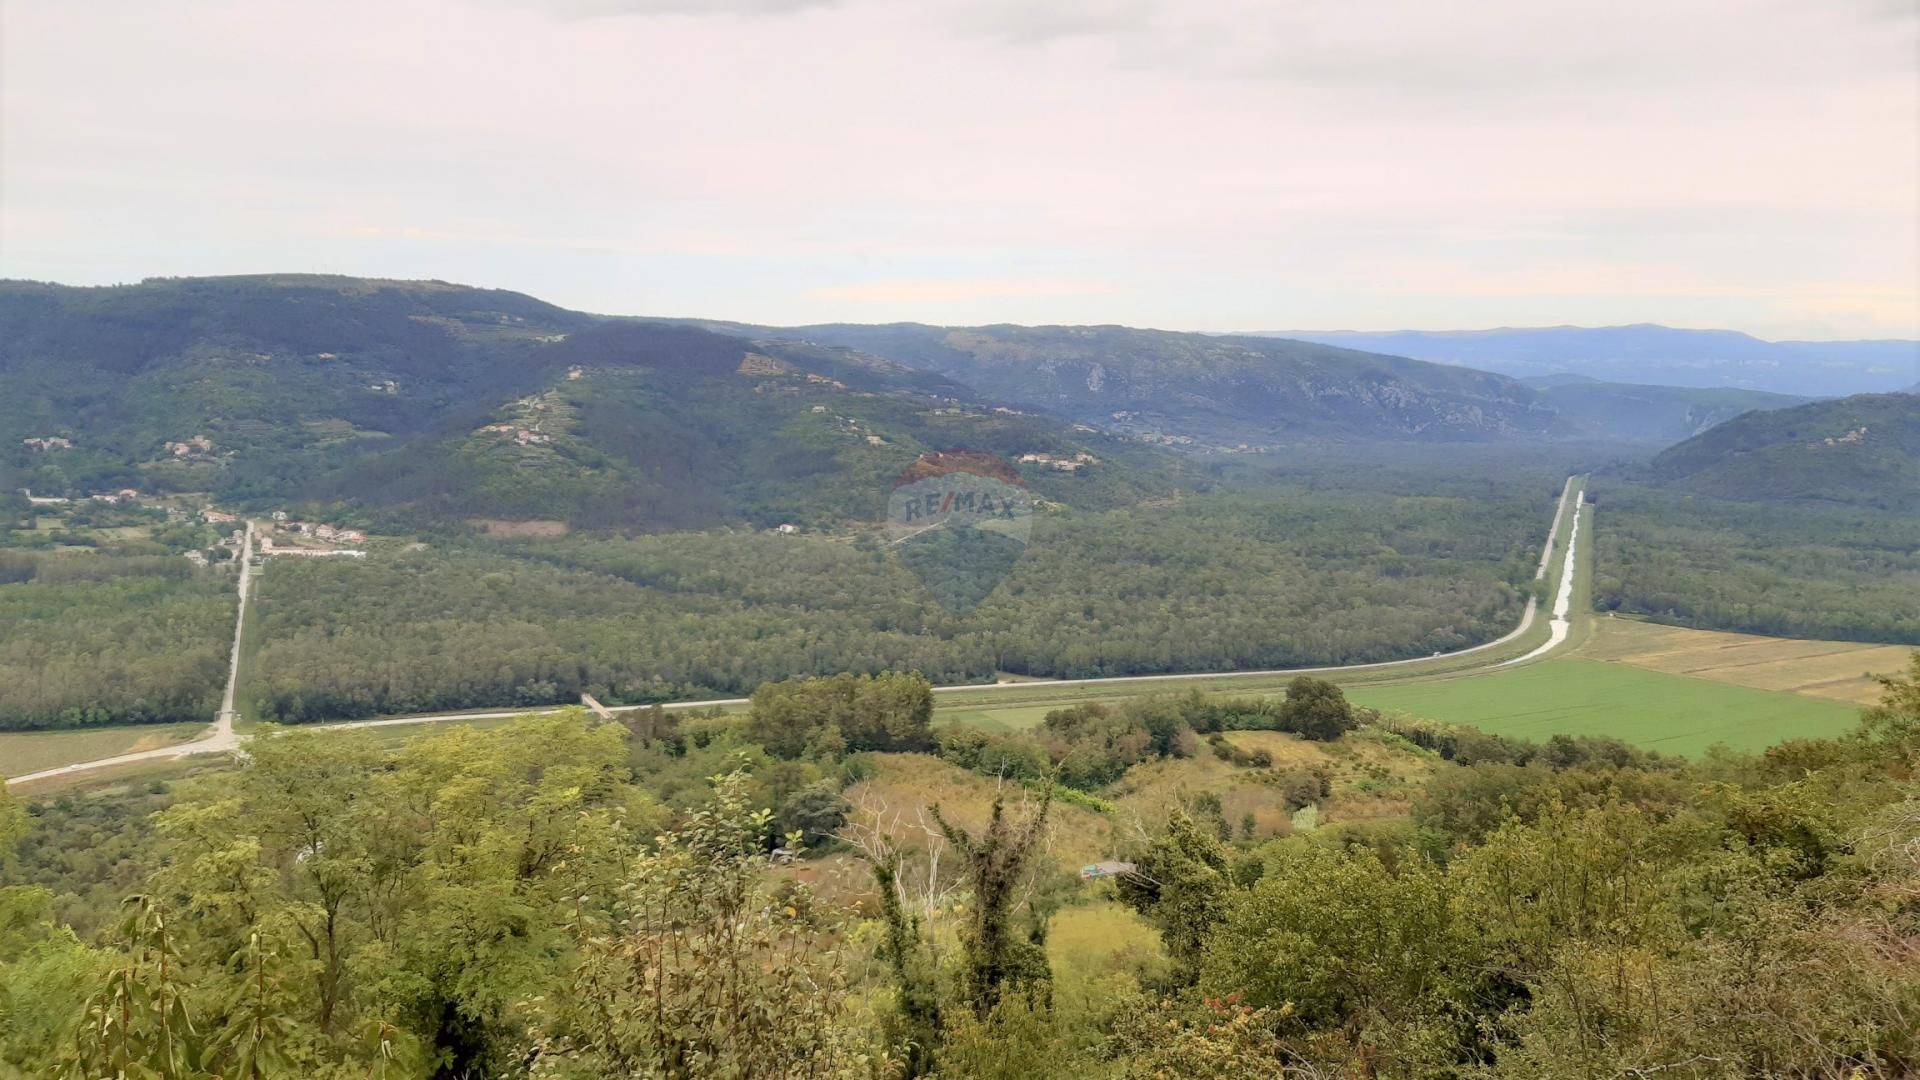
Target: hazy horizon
x: 1387, y: 165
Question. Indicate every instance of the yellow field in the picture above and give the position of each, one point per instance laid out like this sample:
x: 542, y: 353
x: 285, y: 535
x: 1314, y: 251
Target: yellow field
x: 1839, y: 670
x: 906, y: 784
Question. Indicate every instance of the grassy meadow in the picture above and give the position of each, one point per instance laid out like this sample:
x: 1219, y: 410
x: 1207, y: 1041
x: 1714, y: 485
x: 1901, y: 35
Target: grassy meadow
x: 1676, y: 714
x: 23, y: 752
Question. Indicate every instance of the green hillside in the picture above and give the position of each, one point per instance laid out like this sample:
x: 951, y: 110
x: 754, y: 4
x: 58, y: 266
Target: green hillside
x: 1210, y: 390
x: 1862, y: 451
x: 446, y: 401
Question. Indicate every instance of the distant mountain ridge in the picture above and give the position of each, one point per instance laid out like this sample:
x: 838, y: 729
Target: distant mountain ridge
x: 1203, y: 389
x: 1651, y: 354
x: 453, y: 402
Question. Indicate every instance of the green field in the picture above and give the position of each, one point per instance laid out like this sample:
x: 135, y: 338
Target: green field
x: 23, y: 752
x: 1672, y: 714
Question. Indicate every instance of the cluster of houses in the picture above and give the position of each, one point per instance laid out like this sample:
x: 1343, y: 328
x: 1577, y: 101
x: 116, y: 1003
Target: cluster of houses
x: 1855, y: 436
x: 315, y: 529
x: 523, y: 436
x: 197, y: 446
x: 49, y: 442
x: 1063, y: 464
x: 268, y: 547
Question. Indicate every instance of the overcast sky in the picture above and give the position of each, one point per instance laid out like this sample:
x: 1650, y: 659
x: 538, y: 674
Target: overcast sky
x: 1366, y: 164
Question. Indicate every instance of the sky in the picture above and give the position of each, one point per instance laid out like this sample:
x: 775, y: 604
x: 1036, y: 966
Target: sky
x: 1187, y: 164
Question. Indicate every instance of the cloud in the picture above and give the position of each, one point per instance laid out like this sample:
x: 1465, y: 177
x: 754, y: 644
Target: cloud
x: 1503, y: 46
x: 588, y: 9
x: 947, y: 291
x: 1021, y: 22
x: 1204, y: 163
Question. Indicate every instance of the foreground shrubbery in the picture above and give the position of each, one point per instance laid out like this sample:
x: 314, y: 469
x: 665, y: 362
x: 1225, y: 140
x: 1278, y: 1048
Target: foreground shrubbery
x: 1086, y: 747
x: 562, y: 900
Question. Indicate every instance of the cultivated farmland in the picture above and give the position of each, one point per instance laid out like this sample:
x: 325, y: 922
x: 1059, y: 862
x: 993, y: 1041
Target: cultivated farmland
x: 1674, y: 714
x: 1840, y: 670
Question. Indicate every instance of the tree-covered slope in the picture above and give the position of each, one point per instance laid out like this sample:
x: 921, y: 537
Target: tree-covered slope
x: 1861, y: 450
x: 1208, y: 389
x: 447, y: 400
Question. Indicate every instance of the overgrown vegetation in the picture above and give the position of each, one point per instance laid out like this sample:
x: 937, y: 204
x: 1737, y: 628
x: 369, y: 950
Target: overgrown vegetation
x: 561, y: 899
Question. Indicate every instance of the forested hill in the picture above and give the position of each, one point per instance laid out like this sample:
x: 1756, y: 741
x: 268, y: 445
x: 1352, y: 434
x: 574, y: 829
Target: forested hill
x: 451, y: 402
x: 446, y: 402
x: 1211, y: 390
x: 1861, y: 450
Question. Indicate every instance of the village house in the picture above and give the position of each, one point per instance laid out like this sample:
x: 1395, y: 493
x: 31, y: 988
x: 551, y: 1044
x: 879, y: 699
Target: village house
x: 51, y: 442
x: 1062, y: 464
x: 217, y: 517
x: 199, y: 444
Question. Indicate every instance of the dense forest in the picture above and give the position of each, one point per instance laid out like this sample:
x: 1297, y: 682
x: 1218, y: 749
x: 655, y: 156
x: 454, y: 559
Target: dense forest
x: 110, y: 637
x: 1848, y: 573
x: 670, y: 897
x: 1212, y: 582
x: 1861, y: 451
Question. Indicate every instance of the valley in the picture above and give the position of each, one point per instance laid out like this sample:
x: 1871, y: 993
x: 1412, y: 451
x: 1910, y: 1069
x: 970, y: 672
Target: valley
x: 763, y: 540
x: 471, y: 608
x: 1472, y: 686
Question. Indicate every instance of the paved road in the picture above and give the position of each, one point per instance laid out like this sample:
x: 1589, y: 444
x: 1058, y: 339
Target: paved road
x: 219, y: 739
x: 222, y: 739
x: 1563, y: 603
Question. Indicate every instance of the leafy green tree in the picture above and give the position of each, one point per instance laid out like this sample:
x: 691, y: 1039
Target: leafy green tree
x: 814, y: 813
x: 1348, y: 945
x: 997, y: 956
x: 866, y: 712
x: 1179, y: 883
x: 705, y: 971
x: 1317, y: 709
